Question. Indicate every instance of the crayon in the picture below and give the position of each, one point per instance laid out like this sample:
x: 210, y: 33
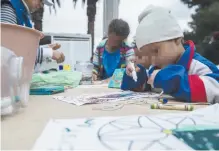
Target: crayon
x: 134, y: 74
x: 182, y: 107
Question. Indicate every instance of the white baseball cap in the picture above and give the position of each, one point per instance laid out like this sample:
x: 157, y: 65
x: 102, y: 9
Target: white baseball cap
x: 48, y: 2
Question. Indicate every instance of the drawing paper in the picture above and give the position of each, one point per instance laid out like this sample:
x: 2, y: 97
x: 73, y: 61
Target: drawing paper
x: 198, y: 130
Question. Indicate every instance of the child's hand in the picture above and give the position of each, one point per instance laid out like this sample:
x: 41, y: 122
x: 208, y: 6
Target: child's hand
x: 59, y: 57
x: 129, y: 69
x: 152, y: 77
x: 54, y: 46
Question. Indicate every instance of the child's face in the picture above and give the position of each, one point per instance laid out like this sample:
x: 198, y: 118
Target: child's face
x: 161, y: 54
x: 140, y: 59
x: 115, y: 41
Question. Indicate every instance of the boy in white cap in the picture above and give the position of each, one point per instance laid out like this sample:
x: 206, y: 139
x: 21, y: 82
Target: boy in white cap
x: 177, y: 69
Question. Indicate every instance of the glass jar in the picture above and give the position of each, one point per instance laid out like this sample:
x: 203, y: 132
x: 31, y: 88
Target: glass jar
x: 86, y: 68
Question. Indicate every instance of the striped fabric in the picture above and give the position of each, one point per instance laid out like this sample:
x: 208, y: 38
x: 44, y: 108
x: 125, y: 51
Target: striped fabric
x: 8, y: 15
x: 126, y: 52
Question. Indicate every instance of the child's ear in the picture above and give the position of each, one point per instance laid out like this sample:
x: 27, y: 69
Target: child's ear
x: 178, y: 41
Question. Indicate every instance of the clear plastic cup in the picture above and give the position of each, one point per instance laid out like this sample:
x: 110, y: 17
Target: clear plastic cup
x: 86, y: 68
x: 11, y: 74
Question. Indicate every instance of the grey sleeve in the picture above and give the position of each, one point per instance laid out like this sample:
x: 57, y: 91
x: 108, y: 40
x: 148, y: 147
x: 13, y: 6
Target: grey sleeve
x: 8, y: 14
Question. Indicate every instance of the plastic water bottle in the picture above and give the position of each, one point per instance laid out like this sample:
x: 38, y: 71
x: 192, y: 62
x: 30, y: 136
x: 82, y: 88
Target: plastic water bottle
x: 86, y: 68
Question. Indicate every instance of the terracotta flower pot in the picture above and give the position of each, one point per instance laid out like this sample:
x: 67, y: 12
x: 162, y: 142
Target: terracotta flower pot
x: 24, y: 43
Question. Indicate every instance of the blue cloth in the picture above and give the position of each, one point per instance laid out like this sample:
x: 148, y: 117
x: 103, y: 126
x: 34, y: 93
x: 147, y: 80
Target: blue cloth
x: 128, y: 83
x: 111, y: 61
x: 23, y: 17
x: 47, y: 90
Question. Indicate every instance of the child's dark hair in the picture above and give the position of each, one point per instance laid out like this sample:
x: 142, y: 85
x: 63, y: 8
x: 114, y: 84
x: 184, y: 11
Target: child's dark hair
x: 119, y: 27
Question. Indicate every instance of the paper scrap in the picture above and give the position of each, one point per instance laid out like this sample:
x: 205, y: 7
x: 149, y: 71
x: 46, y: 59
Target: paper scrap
x: 105, y: 97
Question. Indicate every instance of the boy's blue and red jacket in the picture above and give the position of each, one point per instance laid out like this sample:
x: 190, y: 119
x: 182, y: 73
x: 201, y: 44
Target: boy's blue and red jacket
x: 193, y: 78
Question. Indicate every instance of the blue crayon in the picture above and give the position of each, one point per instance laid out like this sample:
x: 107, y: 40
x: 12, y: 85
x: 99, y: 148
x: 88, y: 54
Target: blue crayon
x: 163, y: 101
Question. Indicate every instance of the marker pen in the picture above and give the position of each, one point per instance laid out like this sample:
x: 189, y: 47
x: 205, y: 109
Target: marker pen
x: 134, y: 74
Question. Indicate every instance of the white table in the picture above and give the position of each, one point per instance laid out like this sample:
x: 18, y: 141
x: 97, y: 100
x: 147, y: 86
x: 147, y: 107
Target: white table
x: 21, y: 130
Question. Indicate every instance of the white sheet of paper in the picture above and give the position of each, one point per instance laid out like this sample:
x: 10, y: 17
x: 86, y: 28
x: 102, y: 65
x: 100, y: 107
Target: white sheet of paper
x: 125, y: 133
